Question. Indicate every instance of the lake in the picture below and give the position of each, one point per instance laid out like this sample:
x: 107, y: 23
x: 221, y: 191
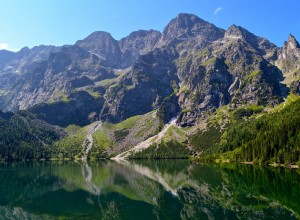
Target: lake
x: 147, y: 189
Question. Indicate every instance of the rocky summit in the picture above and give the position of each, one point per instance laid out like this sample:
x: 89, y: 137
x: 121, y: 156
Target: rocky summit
x: 193, y: 71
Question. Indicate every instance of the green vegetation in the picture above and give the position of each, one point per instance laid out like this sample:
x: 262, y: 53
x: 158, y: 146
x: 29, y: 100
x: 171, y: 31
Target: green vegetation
x: 109, y: 82
x: 107, y: 137
x: 168, y: 109
x: 203, y: 53
x: 289, y: 100
x: 102, y: 140
x: 272, y: 138
x: 247, y: 111
x: 209, y: 61
x: 59, y: 96
x: 23, y: 137
x: 206, y: 140
x: 163, y: 150
x: 171, y: 145
x: 184, y: 89
x: 221, y: 117
x: 71, y: 146
x: 175, y: 133
x: 252, y: 75
x: 72, y: 129
x: 92, y: 92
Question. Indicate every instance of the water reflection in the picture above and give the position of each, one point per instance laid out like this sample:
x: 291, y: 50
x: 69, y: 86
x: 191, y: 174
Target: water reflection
x: 166, y: 189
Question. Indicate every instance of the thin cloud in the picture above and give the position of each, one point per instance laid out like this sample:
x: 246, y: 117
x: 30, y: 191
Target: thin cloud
x: 3, y: 46
x: 218, y: 10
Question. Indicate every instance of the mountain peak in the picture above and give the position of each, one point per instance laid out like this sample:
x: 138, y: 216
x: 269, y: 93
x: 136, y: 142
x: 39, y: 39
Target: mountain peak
x: 292, y: 43
x: 97, y: 35
x: 237, y: 31
x: 103, y: 45
x: 186, y: 26
x: 183, y: 21
x: 186, y: 16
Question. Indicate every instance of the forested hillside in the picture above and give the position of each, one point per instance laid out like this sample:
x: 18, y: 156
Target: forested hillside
x: 272, y: 138
x: 24, y: 137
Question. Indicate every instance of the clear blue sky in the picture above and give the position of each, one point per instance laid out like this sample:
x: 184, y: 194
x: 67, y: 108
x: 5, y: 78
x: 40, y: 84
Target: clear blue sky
x: 59, y: 22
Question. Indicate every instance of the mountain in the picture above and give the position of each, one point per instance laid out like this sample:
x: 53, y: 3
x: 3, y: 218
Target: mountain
x: 235, y: 65
x: 207, y: 78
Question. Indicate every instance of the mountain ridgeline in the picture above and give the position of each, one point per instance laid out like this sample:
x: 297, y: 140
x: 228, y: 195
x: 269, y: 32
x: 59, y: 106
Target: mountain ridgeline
x: 212, y: 80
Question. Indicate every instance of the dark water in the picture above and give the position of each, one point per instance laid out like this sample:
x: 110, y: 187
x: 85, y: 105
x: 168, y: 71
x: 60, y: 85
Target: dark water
x: 168, y: 189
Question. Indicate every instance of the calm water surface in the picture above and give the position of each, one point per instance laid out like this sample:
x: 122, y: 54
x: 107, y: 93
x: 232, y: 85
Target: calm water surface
x: 167, y: 189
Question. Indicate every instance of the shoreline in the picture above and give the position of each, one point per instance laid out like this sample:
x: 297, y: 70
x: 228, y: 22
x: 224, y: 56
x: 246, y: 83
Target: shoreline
x: 290, y: 166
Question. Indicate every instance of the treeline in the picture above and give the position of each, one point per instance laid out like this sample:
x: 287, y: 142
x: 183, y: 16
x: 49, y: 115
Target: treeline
x: 271, y: 138
x: 23, y: 137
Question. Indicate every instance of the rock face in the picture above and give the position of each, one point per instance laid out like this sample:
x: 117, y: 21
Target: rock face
x: 186, y: 27
x: 136, y: 44
x: 103, y: 45
x: 206, y: 89
x: 191, y: 68
x: 289, y: 55
x: 143, y: 88
x: 123, y: 53
x: 55, y: 78
x: 289, y: 62
x: 81, y: 109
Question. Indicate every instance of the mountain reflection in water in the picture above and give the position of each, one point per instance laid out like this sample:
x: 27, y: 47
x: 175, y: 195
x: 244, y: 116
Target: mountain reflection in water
x: 147, y: 189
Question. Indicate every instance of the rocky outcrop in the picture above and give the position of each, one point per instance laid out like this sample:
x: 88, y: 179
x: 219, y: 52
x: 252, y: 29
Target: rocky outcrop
x: 289, y: 62
x: 143, y: 88
x: 289, y: 55
x: 123, y: 53
x: 186, y: 27
x: 136, y: 44
x: 20, y: 62
x: 261, y: 45
x: 81, y: 109
x: 55, y: 78
x: 206, y: 89
x: 103, y: 45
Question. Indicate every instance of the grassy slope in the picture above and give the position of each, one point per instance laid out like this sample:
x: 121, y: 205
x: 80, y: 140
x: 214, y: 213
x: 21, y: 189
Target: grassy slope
x: 71, y: 146
x: 115, y: 138
x: 110, y: 138
x: 172, y: 145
